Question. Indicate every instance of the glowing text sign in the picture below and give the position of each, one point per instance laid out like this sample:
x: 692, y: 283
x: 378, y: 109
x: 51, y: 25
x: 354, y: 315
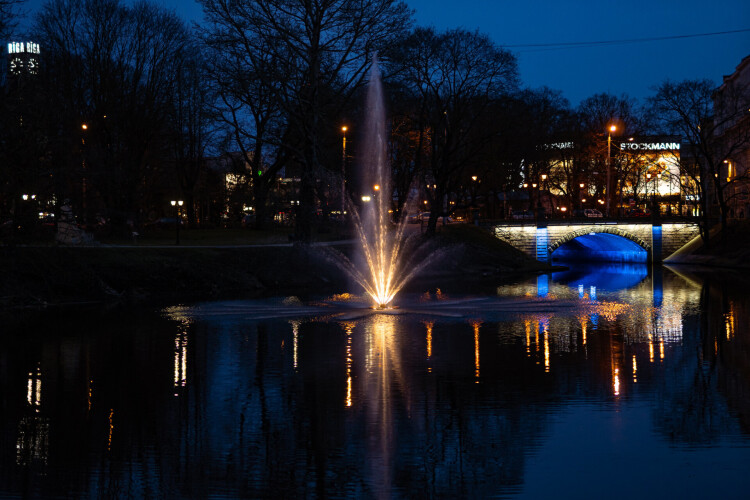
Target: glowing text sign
x: 649, y: 146
x: 23, y: 48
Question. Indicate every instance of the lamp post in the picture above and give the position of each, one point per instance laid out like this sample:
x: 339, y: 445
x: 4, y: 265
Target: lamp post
x: 343, y: 170
x: 177, y: 204
x: 580, y: 194
x: 84, y: 128
x: 612, y: 128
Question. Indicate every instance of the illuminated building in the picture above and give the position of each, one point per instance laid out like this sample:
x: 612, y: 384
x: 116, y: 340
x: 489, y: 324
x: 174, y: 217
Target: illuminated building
x: 732, y: 107
x: 23, y: 58
x: 645, y: 174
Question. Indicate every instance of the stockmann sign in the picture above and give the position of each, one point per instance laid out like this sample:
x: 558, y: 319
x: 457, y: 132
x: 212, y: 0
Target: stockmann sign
x: 649, y: 146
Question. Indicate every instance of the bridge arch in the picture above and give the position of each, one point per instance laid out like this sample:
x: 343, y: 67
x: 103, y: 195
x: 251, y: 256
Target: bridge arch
x: 652, y: 240
x: 570, y: 236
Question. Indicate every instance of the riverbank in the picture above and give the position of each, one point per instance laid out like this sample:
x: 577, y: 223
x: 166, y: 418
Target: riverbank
x: 55, y: 276
x: 729, y: 249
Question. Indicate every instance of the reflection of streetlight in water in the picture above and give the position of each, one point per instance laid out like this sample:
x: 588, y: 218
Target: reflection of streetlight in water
x: 32, y: 443
x: 349, y: 327
x: 476, y: 325
x: 428, y: 327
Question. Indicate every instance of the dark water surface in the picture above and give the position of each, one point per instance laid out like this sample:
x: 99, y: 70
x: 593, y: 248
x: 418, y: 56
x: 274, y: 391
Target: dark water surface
x: 622, y: 383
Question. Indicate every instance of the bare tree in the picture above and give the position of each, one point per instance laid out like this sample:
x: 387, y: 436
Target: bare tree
x: 323, y: 50
x: 715, y: 127
x: 456, y: 76
x: 8, y: 15
x: 192, y: 126
x: 247, y: 78
x: 112, y: 68
x: 597, y: 114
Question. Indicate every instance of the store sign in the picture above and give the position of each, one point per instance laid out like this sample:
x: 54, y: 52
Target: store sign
x: 23, y: 48
x: 649, y: 146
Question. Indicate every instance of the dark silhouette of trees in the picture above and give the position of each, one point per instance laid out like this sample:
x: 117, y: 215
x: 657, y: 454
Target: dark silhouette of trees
x: 455, y: 76
x: 192, y: 123
x: 8, y: 15
x: 715, y: 127
x: 596, y: 115
x: 113, y: 68
x: 320, y: 52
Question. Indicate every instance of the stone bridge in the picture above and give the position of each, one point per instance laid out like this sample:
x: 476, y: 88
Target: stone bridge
x: 603, y: 239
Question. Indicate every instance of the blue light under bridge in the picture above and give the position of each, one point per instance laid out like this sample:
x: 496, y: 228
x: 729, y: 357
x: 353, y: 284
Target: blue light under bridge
x: 600, y: 247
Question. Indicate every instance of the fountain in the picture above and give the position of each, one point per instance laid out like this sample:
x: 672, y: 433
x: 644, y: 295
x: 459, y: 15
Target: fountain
x: 384, y: 263
x: 382, y: 269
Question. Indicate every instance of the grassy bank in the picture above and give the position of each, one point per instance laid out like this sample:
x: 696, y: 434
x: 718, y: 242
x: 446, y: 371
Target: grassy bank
x: 37, y: 276
x: 34, y: 276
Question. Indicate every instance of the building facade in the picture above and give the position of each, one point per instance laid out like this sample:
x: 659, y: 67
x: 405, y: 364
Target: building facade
x: 732, y: 125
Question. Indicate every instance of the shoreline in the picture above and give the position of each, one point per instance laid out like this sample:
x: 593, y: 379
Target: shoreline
x: 57, y: 277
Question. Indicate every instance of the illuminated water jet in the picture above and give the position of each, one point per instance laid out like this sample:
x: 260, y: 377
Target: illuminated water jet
x: 381, y: 268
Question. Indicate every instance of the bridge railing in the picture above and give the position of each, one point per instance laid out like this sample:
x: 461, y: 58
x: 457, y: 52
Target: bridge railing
x: 667, y: 219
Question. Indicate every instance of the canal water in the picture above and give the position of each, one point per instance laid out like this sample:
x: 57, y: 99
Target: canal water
x: 624, y: 382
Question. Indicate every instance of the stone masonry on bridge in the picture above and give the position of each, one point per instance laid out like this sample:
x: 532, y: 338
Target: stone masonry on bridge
x: 659, y: 240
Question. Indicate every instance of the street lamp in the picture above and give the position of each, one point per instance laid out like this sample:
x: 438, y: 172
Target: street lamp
x: 580, y: 194
x: 84, y: 128
x: 177, y: 204
x: 612, y: 128
x: 343, y: 169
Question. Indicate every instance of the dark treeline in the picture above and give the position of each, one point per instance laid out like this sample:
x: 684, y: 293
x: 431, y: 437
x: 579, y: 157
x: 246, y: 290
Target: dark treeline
x: 131, y: 108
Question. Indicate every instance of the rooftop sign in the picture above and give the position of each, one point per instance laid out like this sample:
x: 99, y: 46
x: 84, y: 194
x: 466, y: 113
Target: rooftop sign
x: 23, y: 48
x: 649, y: 146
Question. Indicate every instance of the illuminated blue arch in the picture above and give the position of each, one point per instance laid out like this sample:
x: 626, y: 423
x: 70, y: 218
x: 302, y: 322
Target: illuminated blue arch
x: 604, y: 244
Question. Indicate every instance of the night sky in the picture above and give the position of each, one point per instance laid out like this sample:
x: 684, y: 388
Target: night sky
x: 619, y: 68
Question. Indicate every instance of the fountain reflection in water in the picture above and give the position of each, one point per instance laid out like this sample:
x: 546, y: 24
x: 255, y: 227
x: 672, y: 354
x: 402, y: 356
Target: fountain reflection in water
x: 383, y: 270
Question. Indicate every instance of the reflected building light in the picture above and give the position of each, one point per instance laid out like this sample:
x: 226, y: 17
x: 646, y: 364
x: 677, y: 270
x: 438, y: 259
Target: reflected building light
x: 650, y: 348
x: 661, y: 349
x: 90, y: 394
x: 349, y: 328
x: 476, y: 325
x: 180, y: 360
x: 729, y: 322
x: 32, y: 444
x: 34, y: 389
x: 616, y: 381
x: 295, y: 342
x: 545, y: 325
x: 584, y: 325
x: 111, y: 428
x: 536, y: 336
x: 635, y: 370
x: 429, y: 326
x: 527, y: 325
